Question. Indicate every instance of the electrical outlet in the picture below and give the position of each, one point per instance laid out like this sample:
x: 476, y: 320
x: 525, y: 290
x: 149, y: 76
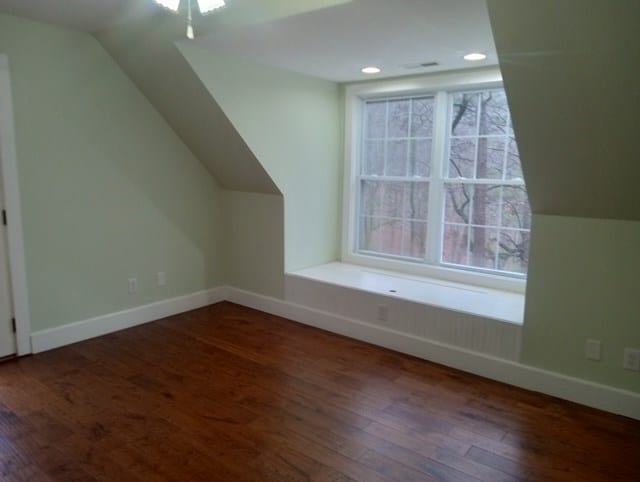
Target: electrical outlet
x: 631, y: 359
x: 133, y: 286
x: 383, y: 312
x: 593, y: 350
x: 161, y: 278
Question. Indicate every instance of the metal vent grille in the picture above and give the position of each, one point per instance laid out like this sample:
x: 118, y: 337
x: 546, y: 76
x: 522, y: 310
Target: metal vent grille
x: 420, y: 65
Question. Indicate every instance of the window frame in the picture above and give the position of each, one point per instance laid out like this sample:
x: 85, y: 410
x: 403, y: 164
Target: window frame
x: 440, y: 86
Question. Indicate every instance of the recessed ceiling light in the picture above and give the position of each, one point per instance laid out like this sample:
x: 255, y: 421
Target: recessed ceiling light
x: 371, y: 70
x: 475, y: 56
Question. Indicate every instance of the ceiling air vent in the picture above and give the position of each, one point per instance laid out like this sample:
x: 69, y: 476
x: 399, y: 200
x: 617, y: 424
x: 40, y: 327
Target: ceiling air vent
x: 420, y: 66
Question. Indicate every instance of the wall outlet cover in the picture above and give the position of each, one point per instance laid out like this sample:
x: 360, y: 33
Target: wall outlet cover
x: 631, y: 359
x: 133, y: 286
x: 593, y: 350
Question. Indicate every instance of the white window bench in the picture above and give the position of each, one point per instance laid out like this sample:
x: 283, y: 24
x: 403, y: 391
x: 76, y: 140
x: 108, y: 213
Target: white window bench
x: 482, y: 302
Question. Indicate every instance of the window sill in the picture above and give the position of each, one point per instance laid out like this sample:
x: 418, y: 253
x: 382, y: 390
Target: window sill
x: 441, y: 274
x: 495, y: 304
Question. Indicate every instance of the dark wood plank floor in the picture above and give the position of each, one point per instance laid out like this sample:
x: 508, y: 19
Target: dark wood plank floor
x: 228, y: 393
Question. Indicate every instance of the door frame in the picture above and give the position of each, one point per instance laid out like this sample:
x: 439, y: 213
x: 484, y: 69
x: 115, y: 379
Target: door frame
x: 11, y: 189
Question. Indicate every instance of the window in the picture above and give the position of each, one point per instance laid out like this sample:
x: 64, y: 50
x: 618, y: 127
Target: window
x: 487, y: 219
x: 437, y: 181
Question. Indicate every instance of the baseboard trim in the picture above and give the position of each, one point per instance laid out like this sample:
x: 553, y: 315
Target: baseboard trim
x: 603, y: 397
x: 101, y: 325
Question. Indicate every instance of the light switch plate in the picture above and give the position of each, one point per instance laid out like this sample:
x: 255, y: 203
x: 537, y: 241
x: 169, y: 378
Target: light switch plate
x: 631, y: 359
x: 593, y: 350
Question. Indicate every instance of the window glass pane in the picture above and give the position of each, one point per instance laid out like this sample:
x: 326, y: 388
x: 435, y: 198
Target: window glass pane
x: 490, y: 161
x: 420, y: 158
x: 464, y: 119
x: 483, y: 148
x: 391, y: 234
x: 392, y: 200
x: 398, y: 121
x: 397, y: 154
x: 414, y: 241
x: 376, y: 119
x: 486, y: 205
x: 457, y: 203
x: 514, y: 250
x: 370, y: 197
x: 422, y: 117
x: 482, y: 247
x: 514, y: 168
x: 373, y: 158
x: 494, y: 113
x: 368, y: 236
x: 393, y: 218
x: 462, y: 155
x: 416, y: 200
x: 516, y: 212
x: 454, y: 244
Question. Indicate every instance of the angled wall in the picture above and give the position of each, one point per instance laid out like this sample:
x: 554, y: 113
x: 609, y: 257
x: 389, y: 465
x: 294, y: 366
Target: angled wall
x: 145, y: 50
x: 286, y: 144
x: 571, y: 73
x: 109, y: 191
x: 293, y: 123
x: 253, y: 242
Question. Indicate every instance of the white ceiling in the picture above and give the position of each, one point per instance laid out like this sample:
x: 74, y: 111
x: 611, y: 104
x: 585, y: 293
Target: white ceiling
x: 332, y: 43
x: 395, y: 35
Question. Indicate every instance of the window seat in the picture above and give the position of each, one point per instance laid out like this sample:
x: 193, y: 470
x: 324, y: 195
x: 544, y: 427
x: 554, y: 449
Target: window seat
x: 484, y: 302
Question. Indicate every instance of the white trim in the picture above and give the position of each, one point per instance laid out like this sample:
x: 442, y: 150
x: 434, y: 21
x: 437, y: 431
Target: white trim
x: 445, y: 273
x: 595, y: 395
x: 9, y: 169
x: 436, y: 189
x: 480, y: 78
x: 101, y: 325
x: 353, y: 125
x: 314, y: 287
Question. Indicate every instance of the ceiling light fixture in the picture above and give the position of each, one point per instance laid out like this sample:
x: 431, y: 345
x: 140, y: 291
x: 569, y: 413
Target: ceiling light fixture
x: 474, y: 56
x: 371, y: 70
x: 205, y: 7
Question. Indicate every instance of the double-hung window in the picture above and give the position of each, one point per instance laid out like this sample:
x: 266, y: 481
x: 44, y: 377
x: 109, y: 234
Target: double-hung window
x: 437, y: 182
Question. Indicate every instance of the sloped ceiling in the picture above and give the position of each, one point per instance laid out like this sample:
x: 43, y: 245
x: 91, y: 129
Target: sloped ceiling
x: 146, y: 51
x: 572, y: 70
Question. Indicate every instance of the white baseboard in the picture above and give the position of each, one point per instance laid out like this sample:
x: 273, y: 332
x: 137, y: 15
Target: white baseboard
x: 101, y: 325
x: 603, y: 397
x: 595, y: 395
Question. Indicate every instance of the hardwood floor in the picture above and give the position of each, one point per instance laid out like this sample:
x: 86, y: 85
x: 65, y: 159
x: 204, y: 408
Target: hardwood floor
x: 232, y: 394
